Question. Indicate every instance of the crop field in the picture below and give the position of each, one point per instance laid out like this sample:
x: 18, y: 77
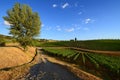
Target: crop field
x: 104, y: 45
x: 105, y: 66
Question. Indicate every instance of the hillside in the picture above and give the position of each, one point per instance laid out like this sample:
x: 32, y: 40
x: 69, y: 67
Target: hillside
x: 103, y: 45
x: 13, y: 56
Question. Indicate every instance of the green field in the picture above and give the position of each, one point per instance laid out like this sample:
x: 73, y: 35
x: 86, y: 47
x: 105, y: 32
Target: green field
x: 108, y: 65
x: 106, y: 45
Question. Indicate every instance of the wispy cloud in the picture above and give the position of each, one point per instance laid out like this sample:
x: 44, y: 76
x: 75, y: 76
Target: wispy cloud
x: 54, y: 5
x: 88, y: 20
x: 70, y: 30
x: 42, y: 25
x: 65, y: 5
x: 79, y: 13
x: 58, y: 28
x: 7, y: 23
x: 48, y: 28
x: 86, y: 29
x: 76, y: 26
x: 76, y: 4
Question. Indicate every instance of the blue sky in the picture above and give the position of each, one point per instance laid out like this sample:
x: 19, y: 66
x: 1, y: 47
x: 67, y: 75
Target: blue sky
x: 67, y: 19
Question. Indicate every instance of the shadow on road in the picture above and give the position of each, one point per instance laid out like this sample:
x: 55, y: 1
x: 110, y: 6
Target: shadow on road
x: 50, y: 71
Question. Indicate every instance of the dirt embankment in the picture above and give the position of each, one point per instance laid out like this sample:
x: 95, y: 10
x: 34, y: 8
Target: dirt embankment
x: 13, y: 56
x: 17, y: 73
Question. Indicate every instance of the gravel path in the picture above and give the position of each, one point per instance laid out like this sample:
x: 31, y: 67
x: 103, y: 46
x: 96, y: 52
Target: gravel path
x: 50, y: 71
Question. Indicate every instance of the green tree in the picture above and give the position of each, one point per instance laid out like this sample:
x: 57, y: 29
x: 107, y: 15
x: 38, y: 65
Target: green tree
x: 24, y: 24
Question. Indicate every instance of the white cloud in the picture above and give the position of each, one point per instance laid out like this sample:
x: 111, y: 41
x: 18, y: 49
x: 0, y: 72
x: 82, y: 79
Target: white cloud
x: 65, y: 5
x: 58, y: 28
x: 86, y: 29
x: 87, y: 20
x: 42, y: 25
x: 70, y: 30
x: 7, y: 23
x: 48, y: 28
x: 76, y: 4
x: 79, y: 13
x: 75, y: 25
x: 54, y: 5
x: 78, y: 28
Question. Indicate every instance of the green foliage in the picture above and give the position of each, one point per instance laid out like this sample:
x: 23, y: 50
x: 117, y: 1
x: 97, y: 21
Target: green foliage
x: 83, y: 57
x: 110, y: 63
x: 110, y: 45
x: 76, y: 56
x: 61, y: 52
x: 2, y: 43
x: 92, y: 60
x: 25, y: 24
x: 2, y: 40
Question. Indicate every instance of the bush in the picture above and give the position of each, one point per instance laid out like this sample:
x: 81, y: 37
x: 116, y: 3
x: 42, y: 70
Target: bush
x: 2, y: 43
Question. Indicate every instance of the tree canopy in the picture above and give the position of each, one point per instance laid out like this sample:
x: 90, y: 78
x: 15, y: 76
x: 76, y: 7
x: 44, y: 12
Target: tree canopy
x: 24, y: 24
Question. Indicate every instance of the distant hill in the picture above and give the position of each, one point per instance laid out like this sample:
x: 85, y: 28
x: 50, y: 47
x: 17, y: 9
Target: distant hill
x: 5, y: 37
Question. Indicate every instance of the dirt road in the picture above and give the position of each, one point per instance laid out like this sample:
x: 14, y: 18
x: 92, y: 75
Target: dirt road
x: 54, y: 69
x: 50, y: 71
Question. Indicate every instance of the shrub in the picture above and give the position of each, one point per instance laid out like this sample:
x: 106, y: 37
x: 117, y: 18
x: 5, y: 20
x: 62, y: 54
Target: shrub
x: 2, y: 43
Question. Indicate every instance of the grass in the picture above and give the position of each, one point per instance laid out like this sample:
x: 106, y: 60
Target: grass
x: 110, y: 62
x: 98, y: 61
x: 60, y: 52
x: 104, y: 45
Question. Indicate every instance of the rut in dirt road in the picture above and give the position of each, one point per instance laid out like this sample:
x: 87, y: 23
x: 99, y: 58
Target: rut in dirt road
x: 50, y: 71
